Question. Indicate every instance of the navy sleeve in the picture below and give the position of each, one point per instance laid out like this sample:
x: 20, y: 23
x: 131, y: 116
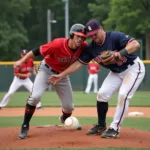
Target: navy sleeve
x: 86, y: 56
x: 122, y: 39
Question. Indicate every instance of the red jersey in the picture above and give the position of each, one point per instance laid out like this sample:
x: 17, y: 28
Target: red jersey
x: 25, y: 68
x: 58, y: 55
x: 93, y: 67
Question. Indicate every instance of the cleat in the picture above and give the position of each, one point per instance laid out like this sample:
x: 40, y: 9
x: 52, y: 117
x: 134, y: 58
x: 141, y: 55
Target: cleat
x: 110, y: 133
x: 96, y: 130
x: 24, y: 132
x: 39, y: 108
x: 61, y: 119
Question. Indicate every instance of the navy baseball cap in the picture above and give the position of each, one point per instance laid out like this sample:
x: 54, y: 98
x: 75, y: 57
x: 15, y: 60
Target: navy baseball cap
x: 24, y: 52
x: 92, y: 27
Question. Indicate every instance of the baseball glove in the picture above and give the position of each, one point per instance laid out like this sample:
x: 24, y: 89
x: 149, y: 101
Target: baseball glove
x: 107, y: 57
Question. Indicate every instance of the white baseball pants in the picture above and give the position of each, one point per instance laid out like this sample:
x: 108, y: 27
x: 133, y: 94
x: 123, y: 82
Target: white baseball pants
x: 16, y: 84
x: 126, y: 83
x: 93, y: 78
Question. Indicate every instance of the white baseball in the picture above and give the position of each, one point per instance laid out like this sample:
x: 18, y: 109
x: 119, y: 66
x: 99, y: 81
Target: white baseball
x: 71, y: 123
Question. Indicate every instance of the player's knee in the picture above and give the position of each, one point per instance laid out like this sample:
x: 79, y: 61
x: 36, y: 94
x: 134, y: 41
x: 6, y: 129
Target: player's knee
x: 121, y: 99
x: 10, y: 93
x: 68, y: 109
x: 102, y: 96
x: 122, y: 96
x: 32, y: 101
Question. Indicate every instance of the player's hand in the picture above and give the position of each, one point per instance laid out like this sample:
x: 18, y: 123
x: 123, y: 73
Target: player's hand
x: 117, y: 56
x: 53, y: 79
x: 34, y: 73
x: 29, y: 74
x: 17, y: 64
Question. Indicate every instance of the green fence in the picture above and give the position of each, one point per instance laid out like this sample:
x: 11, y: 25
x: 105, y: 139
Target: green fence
x: 78, y: 79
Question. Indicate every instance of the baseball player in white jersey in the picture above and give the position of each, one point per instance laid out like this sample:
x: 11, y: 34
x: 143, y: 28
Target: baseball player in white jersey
x: 21, y: 78
x: 126, y: 73
x: 93, y: 69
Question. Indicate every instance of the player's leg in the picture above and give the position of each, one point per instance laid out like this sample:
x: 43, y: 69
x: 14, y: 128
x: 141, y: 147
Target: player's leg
x: 64, y: 91
x: 95, y: 81
x: 110, y: 85
x: 28, y: 85
x: 13, y: 88
x: 131, y: 81
x: 89, y: 84
x: 39, y: 106
x: 39, y: 86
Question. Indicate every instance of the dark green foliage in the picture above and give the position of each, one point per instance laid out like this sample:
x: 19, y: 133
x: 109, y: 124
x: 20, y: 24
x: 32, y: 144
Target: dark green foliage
x: 23, y: 23
x: 12, y: 32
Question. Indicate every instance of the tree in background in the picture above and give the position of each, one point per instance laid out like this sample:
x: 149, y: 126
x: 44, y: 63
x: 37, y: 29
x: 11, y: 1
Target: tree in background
x: 100, y: 9
x: 79, y: 12
x: 12, y: 32
x: 131, y: 16
x: 36, y: 21
x: 23, y: 23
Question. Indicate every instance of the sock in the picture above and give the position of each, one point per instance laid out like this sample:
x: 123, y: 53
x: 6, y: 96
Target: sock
x: 29, y: 111
x: 65, y: 115
x: 102, y: 108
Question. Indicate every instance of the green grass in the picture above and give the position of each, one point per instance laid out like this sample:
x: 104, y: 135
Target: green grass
x: 80, y: 99
x: 136, y: 123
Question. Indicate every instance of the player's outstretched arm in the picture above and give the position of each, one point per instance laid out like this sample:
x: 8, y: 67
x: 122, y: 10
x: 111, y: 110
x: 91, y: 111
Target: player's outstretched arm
x: 18, y: 63
x: 72, y: 68
x: 34, y: 71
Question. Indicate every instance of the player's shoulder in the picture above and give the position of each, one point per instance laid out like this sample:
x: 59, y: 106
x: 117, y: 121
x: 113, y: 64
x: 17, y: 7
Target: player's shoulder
x: 30, y: 60
x: 114, y: 33
x: 59, y: 41
x: 90, y: 44
x: 85, y: 43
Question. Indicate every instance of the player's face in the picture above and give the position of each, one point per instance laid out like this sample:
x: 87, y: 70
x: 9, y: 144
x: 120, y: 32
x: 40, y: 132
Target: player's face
x: 78, y: 40
x: 22, y: 55
x: 98, y: 37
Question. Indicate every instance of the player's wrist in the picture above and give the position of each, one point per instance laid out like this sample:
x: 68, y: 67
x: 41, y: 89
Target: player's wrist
x: 123, y: 52
x: 22, y: 60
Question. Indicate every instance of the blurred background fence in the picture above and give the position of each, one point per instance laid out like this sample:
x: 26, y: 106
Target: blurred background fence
x: 78, y: 79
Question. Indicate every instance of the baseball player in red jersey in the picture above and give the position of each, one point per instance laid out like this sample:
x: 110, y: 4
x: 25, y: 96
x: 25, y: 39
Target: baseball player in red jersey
x: 93, y: 69
x: 21, y: 78
x: 59, y: 54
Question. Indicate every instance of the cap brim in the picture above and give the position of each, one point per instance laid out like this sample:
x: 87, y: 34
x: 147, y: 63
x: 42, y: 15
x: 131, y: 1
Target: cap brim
x: 80, y: 34
x: 92, y: 32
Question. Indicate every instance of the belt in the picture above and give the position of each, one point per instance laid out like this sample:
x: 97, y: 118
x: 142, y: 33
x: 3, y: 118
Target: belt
x: 21, y: 78
x: 131, y: 63
x: 47, y: 66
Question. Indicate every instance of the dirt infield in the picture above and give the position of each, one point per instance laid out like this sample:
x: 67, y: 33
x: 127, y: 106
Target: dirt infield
x: 54, y: 136
x: 79, y: 111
